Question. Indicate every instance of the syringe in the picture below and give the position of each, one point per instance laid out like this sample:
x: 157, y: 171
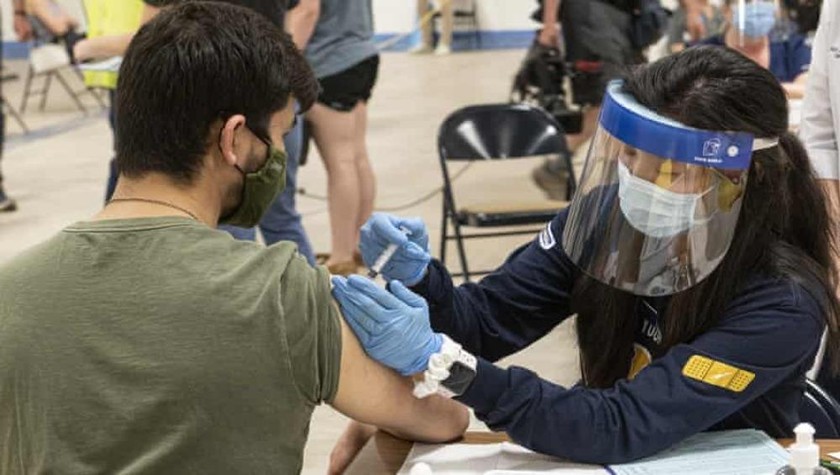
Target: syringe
x: 386, y: 256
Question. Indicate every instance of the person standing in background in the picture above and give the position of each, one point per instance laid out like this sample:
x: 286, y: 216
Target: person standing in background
x: 24, y: 32
x: 678, y: 35
x: 447, y: 19
x: 598, y: 43
x: 820, y: 128
x: 337, y: 37
x: 748, y: 30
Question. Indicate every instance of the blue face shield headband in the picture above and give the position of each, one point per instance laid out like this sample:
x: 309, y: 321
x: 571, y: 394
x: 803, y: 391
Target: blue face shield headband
x: 659, y: 201
x: 641, y: 128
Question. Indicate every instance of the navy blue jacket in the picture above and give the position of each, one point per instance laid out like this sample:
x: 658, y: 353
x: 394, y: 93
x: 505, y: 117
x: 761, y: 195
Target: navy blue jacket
x: 771, y: 329
x: 790, y: 55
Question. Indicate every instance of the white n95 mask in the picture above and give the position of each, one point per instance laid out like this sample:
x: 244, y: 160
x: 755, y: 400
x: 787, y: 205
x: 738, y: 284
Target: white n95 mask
x: 653, y: 210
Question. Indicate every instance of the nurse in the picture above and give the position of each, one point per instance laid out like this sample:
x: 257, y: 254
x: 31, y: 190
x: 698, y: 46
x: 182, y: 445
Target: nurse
x: 696, y: 256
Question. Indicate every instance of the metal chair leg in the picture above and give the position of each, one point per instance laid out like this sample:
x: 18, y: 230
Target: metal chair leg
x: 571, y: 181
x: 27, y: 90
x: 97, y: 98
x: 443, y: 235
x: 47, y: 84
x: 461, y: 251
x: 93, y: 92
x: 12, y: 112
x: 73, y: 94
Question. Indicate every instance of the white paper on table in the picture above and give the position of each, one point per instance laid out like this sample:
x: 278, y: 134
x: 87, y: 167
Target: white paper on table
x: 460, y: 459
x: 519, y: 460
x: 491, y: 459
x: 737, y: 452
x: 835, y: 455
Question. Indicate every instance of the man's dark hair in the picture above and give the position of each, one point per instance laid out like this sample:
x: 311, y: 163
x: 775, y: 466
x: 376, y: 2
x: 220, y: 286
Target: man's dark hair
x: 194, y: 64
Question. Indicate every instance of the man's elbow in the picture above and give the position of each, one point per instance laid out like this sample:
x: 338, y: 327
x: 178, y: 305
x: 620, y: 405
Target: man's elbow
x: 457, y: 424
x: 446, y: 426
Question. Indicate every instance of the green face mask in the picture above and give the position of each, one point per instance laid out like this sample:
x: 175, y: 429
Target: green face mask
x: 260, y: 189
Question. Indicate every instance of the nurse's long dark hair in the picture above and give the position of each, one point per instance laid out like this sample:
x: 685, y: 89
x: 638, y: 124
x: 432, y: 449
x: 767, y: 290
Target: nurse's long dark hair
x: 783, y: 230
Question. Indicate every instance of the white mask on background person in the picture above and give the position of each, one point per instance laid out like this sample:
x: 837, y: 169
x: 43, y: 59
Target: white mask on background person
x: 653, y: 210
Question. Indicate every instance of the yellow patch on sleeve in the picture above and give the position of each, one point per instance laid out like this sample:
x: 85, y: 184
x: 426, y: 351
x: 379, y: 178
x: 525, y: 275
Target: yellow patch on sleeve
x: 717, y: 374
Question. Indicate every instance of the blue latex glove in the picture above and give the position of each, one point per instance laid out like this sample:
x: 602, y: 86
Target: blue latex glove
x: 409, y: 263
x: 393, y: 328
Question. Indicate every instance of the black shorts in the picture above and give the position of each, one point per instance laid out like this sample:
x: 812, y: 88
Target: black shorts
x: 597, y: 39
x: 342, y: 91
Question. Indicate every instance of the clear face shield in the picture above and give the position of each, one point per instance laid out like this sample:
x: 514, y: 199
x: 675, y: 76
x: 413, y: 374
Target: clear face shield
x: 658, y: 201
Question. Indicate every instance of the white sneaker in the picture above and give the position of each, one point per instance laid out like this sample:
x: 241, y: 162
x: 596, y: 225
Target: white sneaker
x: 443, y: 49
x: 421, y: 49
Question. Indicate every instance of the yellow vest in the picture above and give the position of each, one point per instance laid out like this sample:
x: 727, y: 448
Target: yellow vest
x: 110, y: 17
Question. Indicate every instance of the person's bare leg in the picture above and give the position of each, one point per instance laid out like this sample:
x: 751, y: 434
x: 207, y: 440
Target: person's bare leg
x: 367, y: 179
x: 447, y: 23
x: 335, y: 135
x: 426, y: 29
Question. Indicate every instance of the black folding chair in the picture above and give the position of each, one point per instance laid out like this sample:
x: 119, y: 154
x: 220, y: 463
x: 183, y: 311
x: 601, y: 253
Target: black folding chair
x: 821, y: 410
x: 496, y: 132
x: 47, y: 60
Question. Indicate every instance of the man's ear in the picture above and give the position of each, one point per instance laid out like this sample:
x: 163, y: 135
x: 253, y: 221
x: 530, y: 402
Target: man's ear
x: 228, y: 139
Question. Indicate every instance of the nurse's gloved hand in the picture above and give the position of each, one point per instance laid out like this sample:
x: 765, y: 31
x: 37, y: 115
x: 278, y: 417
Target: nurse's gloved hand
x: 409, y: 262
x: 393, y: 327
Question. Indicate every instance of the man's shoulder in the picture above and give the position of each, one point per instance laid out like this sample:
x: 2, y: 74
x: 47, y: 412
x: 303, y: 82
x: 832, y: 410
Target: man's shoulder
x: 34, y: 259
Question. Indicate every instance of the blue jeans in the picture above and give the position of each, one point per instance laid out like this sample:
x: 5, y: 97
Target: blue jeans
x: 282, y: 222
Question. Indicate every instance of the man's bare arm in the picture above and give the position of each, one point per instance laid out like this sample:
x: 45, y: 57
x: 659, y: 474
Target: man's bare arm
x: 373, y: 394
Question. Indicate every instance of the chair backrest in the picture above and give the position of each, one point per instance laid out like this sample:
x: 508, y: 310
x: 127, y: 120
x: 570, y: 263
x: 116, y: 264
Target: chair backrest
x: 500, y: 131
x: 49, y: 57
x: 821, y: 410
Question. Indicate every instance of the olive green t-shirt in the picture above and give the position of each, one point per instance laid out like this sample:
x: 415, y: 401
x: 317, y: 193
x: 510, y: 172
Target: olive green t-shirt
x: 161, y: 346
